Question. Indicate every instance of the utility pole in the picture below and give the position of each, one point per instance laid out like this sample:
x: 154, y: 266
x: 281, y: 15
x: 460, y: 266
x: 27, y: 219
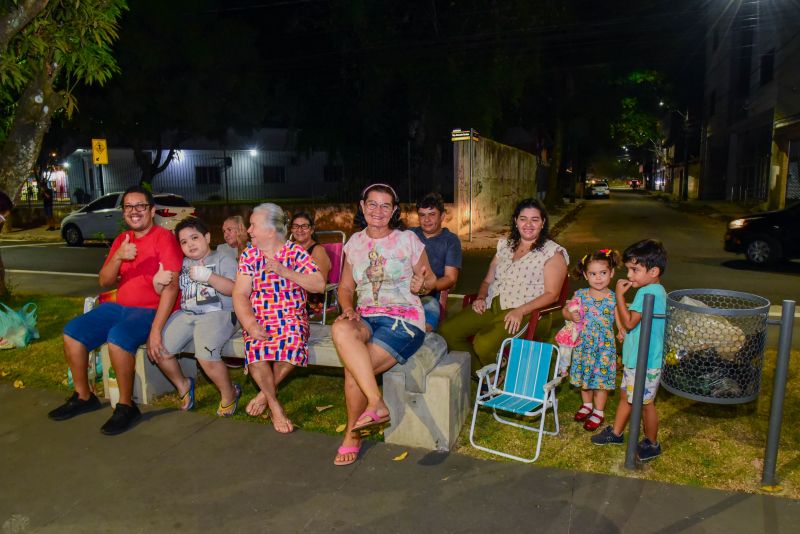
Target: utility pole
x: 685, y: 182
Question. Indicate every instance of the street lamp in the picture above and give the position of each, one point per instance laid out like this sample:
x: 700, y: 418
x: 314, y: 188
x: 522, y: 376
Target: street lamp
x: 684, y: 193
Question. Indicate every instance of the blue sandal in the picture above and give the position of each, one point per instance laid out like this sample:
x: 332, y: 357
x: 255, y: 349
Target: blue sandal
x: 229, y: 410
x: 190, y: 395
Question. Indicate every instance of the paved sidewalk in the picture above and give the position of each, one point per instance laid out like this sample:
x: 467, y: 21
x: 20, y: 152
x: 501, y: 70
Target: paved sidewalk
x: 39, y: 234
x: 188, y: 472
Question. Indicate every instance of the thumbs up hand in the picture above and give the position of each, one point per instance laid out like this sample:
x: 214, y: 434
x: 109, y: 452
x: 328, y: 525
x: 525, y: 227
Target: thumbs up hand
x: 418, y: 282
x: 162, y: 277
x: 127, y: 250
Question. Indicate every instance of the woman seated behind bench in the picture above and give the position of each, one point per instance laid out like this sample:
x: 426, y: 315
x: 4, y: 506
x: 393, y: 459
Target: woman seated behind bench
x: 302, y: 227
x: 526, y: 273
x: 205, y: 318
x: 270, y: 301
x: 388, y: 326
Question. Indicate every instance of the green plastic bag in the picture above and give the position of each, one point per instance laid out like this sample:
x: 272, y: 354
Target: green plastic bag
x: 17, y: 328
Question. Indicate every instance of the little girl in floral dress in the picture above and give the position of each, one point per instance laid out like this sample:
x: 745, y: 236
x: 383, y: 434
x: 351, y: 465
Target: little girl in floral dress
x: 594, y: 359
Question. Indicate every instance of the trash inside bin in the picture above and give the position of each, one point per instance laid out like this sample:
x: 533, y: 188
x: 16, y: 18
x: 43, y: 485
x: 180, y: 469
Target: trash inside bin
x: 714, y: 345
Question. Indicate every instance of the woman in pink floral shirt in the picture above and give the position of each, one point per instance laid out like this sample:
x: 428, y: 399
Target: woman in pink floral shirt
x: 387, y: 269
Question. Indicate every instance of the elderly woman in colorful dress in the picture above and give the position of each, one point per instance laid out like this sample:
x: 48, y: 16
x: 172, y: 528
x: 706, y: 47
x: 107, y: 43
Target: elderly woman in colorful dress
x: 387, y: 268
x: 269, y: 298
x: 526, y: 273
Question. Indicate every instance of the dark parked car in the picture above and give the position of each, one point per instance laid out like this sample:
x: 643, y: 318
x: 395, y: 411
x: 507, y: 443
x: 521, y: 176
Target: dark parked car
x: 765, y: 238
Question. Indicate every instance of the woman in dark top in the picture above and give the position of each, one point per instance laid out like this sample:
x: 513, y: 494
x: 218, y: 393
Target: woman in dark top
x: 302, y: 229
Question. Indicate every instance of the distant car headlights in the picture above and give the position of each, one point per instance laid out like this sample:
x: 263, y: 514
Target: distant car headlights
x: 738, y: 223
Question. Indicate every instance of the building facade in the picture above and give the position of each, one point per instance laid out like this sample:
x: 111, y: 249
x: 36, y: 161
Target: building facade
x: 751, y: 132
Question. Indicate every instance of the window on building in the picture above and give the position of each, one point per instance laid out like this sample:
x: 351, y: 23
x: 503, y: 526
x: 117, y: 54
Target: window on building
x: 274, y: 174
x: 332, y: 173
x: 207, y: 175
x: 767, y: 67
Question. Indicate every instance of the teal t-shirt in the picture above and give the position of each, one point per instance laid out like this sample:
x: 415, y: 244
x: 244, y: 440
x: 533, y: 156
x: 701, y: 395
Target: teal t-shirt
x: 630, y: 347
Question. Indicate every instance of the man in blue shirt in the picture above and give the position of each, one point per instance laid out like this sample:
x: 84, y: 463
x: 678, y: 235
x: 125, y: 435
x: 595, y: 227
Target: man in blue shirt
x: 444, y: 253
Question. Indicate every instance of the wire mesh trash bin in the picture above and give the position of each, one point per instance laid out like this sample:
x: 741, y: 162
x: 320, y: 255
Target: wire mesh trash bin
x: 714, y: 345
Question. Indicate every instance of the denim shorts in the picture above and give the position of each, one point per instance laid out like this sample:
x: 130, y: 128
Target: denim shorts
x: 395, y: 336
x: 124, y: 326
x: 430, y: 306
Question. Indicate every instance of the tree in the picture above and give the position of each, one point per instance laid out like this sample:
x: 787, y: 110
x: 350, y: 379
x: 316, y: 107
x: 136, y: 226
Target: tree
x: 47, y: 47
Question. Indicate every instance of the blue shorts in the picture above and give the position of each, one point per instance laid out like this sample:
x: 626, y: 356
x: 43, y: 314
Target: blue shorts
x: 124, y: 326
x: 430, y: 306
x: 395, y: 336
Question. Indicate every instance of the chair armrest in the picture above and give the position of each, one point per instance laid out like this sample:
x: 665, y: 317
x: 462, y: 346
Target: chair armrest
x: 483, y: 372
x: 549, y: 386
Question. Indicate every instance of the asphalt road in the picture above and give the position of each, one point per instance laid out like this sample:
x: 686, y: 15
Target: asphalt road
x: 694, y: 243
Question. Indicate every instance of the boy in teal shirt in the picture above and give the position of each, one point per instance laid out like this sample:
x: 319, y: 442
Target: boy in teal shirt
x: 646, y: 262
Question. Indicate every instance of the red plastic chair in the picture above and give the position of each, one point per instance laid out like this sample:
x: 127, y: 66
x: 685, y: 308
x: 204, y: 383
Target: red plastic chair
x: 335, y: 251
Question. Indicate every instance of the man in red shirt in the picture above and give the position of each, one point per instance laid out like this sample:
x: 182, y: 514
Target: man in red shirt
x: 138, y: 315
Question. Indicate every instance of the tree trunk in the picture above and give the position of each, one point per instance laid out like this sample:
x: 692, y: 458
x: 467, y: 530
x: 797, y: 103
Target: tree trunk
x: 20, y: 150
x: 16, y: 19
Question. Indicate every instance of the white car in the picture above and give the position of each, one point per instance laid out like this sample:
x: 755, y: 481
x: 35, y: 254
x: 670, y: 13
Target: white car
x: 102, y: 218
x: 598, y: 188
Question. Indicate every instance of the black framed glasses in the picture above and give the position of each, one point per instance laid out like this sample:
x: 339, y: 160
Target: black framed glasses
x: 301, y: 226
x: 138, y: 208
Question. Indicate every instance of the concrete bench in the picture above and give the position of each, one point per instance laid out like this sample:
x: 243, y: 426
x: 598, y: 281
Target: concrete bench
x: 428, y: 397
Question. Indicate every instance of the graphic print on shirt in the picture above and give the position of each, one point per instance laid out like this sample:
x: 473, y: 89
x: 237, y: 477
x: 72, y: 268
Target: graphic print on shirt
x: 375, y: 271
x: 195, y: 296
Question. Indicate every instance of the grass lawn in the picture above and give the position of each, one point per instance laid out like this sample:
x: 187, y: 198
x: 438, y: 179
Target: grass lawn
x: 704, y: 445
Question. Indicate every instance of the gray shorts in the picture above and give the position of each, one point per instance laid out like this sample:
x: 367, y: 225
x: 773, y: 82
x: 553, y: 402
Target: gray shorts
x: 209, y: 331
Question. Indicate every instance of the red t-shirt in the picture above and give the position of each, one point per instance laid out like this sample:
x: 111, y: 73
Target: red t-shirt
x: 135, y: 286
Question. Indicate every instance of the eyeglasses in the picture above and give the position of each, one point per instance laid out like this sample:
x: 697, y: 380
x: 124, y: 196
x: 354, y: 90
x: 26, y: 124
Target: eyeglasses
x: 301, y: 226
x: 135, y: 207
x: 372, y: 206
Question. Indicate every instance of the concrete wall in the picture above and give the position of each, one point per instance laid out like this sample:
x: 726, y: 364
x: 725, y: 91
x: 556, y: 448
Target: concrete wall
x: 501, y: 177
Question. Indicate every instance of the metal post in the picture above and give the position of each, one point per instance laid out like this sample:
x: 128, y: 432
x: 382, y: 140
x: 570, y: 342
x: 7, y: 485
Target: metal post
x: 471, y: 163
x: 225, y: 172
x: 685, y: 183
x: 646, y: 325
x: 768, y: 480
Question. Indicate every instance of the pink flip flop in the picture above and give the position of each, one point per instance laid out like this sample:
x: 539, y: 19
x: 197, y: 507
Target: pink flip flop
x: 347, y: 450
x: 374, y: 419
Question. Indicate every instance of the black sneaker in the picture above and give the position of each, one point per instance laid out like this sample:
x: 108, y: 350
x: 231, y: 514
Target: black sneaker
x: 75, y: 406
x: 647, y: 450
x: 607, y: 436
x: 121, y: 420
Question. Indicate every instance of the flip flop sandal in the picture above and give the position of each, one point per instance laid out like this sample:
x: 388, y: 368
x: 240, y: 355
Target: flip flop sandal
x: 190, y: 395
x: 583, y: 413
x: 347, y: 450
x: 374, y: 419
x: 229, y: 410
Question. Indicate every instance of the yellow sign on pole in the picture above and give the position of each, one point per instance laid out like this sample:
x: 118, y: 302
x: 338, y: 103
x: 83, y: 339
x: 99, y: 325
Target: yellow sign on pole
x: 99, y: 152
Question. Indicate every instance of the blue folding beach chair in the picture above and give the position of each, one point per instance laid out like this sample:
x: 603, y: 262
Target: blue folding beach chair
x: 525, y: 391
